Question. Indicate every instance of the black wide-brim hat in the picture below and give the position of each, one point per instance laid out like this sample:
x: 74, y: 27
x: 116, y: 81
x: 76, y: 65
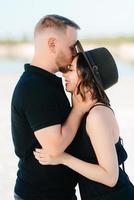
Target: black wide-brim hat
x: 104, y: 66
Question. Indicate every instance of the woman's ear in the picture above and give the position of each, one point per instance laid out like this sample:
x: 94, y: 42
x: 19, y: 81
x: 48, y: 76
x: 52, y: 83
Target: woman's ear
x: 52, y: 44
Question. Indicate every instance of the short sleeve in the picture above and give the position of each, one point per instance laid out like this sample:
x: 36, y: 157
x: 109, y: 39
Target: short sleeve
x: 41, y: 108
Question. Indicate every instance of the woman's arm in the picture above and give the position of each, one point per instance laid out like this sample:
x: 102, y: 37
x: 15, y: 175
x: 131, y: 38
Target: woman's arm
x: 100, y: 125
x: 103, y: 131
x: 55, y: 139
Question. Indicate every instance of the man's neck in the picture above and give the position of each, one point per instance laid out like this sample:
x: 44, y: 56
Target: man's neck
x: 44, y: 64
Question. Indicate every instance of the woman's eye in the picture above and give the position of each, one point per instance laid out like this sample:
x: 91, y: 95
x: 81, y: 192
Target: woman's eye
x: 69, y: 68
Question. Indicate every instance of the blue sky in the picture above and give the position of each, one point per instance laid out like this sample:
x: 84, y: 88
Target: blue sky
x: 95, y: 17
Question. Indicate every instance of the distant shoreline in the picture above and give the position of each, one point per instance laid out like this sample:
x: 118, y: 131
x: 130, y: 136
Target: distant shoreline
x: 123, y: 51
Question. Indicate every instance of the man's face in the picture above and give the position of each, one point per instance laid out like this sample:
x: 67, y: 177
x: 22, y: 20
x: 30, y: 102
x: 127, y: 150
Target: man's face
x: 72, y: 79
x: 65, y: 48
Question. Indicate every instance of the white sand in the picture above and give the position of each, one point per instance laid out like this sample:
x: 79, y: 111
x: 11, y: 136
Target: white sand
x: 122, y: 98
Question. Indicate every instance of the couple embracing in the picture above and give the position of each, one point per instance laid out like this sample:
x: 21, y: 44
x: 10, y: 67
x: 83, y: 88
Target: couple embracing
x: 59, y: 145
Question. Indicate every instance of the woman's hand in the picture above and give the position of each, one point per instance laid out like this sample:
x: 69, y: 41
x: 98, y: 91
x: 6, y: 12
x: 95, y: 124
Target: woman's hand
x: 46, y: 159
x: 82, y: 105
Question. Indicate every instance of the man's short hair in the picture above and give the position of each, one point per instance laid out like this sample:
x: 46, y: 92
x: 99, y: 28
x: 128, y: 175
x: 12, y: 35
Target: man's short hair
x: 54, y: 21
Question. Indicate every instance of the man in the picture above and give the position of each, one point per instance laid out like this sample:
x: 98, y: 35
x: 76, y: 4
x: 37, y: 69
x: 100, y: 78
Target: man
x: 41, y: 114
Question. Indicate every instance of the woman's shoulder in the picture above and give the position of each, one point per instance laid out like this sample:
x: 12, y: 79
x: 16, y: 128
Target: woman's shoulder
x: 100, y: 108
x: 100, y: 113
x: 101, y: 121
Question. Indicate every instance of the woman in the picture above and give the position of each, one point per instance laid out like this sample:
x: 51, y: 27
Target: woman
x: 99, y: 154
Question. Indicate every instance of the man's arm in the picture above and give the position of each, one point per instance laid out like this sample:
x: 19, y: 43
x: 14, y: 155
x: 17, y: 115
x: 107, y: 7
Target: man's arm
x: 55, y: 139
x: 45, y: 120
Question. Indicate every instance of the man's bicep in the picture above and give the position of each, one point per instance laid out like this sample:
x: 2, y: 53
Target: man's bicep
x: 49, y: 138
x: 42, y: 112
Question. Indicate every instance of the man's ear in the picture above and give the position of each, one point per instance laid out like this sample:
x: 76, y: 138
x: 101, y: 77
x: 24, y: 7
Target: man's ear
x: 52, y: 44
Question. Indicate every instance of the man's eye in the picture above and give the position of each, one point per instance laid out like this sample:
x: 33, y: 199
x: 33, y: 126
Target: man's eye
x: 72, y: 48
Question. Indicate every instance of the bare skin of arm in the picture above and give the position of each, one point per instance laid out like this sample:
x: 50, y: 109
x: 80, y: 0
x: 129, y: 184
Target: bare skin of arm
x: 55, y: 139
x: 103, y: 131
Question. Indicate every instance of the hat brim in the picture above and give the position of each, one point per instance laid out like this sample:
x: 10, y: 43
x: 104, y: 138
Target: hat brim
x: 105, y: 63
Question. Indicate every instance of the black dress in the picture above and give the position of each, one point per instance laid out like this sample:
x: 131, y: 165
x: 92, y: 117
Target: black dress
x: 92, y: 190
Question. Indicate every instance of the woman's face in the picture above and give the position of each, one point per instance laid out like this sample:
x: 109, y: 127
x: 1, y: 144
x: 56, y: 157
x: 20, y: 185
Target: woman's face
x: 71, y: 77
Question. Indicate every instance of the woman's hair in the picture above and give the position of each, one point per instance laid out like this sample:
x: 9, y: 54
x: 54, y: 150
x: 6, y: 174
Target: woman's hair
x: 87, y: 81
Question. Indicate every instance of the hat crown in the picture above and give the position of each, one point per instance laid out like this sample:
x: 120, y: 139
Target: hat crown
x: 104, y: 66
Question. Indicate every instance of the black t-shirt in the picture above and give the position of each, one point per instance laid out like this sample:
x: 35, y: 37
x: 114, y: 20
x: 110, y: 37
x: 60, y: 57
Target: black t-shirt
x: 39, y: 101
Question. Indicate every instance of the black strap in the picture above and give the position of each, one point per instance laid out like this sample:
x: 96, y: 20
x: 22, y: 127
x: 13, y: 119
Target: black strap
x: 100, y: 104
x: 95, y: 67
x: 123, y: 165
